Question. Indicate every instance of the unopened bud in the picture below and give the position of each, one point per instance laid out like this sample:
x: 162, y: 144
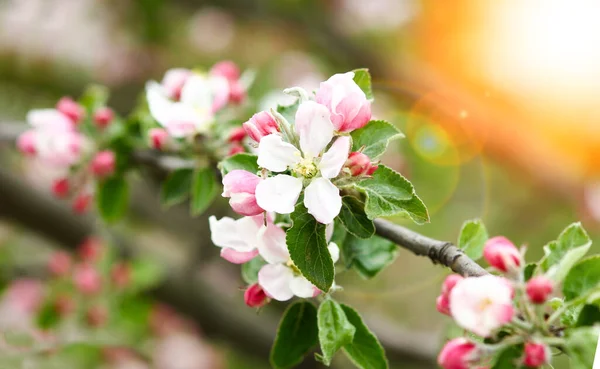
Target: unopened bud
x: 237, y: 93
x: 61, y: 187
x: 458, y: 353
x: 536, y: 355
x: 442, y: 304
x: 255, y: 296
x: 237, y: 134
x: 26, y: 143
x: 236, y: 148
x: 60, y: 263
x: 90, y: 250
x: 539, y: 289
x: 82, y: 203
x: 87, y: 279
x: 96, y: 316
x: 71, y: 109
x: 103, y: 164
x: 227, y: 69
x: 502, y: 254
x: 450, y: 282
x: 360, y: 164
x: 260, y: 125
x: 121, y: 275
x: 240, y: 187
x: 103, y: 117
x: 158, y: 138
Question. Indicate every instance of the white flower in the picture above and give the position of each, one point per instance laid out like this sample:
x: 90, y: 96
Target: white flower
x: 201, y: 96
x: 280, y: 193
x: 482, y: 304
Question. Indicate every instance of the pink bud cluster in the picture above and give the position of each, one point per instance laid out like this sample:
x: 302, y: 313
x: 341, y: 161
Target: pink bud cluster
x: 484, y: 305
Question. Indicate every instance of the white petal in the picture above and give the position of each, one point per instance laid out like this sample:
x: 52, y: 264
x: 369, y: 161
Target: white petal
x: 276, y: 155
x: 323, y: 200
x: 329, y: 231
x: 220, y: 92
x: 237, y: 257
x: 301, y: 287
x: 314, y: 128
x: 278, y: 194
x: 161, y: 108
x: 239, y: 235
x: 197, y: 92
x: 50, y: 119
x: 275, y: 280
x: 333, y: 160
x: 272, y: 246
x: 334, y: 250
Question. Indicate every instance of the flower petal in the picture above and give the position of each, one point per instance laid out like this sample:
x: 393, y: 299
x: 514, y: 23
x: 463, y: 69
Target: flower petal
x: 50, y: 119
x: 239, y: 235
x: 334, y: 250
x: 272, y: 246
x: 237, y: 257
x: 279, y: 194
x: 275, y: 280
x: 323, y: 200
x: 159, y: 104
x: 301, y: 287
x: 314, y: 128
x: 220, y: 92
x: 197, y: 92
x: 276, y: 155
x: 333, y: 160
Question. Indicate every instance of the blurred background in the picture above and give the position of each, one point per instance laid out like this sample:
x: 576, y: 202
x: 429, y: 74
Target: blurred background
x: 498, y: 101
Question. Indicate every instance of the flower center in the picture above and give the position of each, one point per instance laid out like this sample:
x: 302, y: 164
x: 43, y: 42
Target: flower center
x: 293, y: 267
x: 485, y: 303
x: 306, y: 168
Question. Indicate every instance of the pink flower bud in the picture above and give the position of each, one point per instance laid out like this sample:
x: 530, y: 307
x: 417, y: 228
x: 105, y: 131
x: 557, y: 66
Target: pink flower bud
x: 450, y: 282
x: 26, y: 143
x: 174, y: 80
x: 237, y: 93
x: 71, y: 109
x: 103, y: 164
x: 260, y: 125
x: 227, y: 69
x: 103, y: 117
x: 96, y: 316
x: 458, y: 353
x: 502, y: 254
x: 158, y: 138
x: 539, y: 289
x: 237, y: 134
x: 360, y: 164
x: 61, y: 187
x: 235, y: 149
x: 372, y: 169
x: 347, y: 103
x: 86, y: 279
x: 442, y: 304
x: 536, y: 355
x: 121, y: 275
x: 240, y: 186
x: 255, y: 296
x: 82, y: 203
x: 60, y: 263
x: 90, y: 250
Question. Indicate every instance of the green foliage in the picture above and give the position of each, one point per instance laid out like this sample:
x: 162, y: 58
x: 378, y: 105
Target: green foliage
x: 472, y: 238
x: 362, y: 78
x: 574, y: 236
x: 145, y: 274
x: 368, y: 257
x: 583, y: 278
x: 374, y: 137
x: 365, y: 351
x: 296, y: 336
x: 581, y: 346
x: 529, y: 270
x: 508, y: 358
x: 389, y: 193
x: 241, y: 161
x: 589, y: 316
x: 288, y: 111
x: 176, y: 188
x: 94, y: 97
x: 308, y: 248
x: 335, y: 330
x: 204, y: 190
x: 112, y: 198
x: 250, y: 270
x: 354, y: 218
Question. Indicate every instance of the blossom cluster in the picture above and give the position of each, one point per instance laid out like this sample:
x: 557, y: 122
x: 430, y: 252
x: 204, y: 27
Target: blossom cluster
x: 493, y: 306
x: 62, y: 141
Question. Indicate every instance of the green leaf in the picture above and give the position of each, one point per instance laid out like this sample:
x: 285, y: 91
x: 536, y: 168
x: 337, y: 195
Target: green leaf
x: 362, y: 78
x: 94, y: 97
x: 584, y: 277
x: 296, y: 336
x: 529, y: 270
x: 250, y: 270
x: 335, y: 330
x: 389, y: 193
x: 289, y: 111
x: 308, y: 248
x: 564, y: 266
x: 589, y: 316
x: 204, y: 190
x: 368, y: 257
x: 176, y: 188
x: 581, y: 346
x: 365, y: 351
x: 112, y: 198
x: 354, y: 218
x: 508, y: 358
x: 145, y: 274
x: 571, y: 314
x: 374, y: 137
x: 573, y: 236
x: 243, y: 161
x: 472, y: 238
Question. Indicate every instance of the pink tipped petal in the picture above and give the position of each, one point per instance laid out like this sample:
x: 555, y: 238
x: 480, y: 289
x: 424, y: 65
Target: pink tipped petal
x: 276, y: 155
x: 333, y: 160
x: 279, y: 194
x: 239, y: 181
x: 301, y: 287
x: 271, y: 244
x: 275, y: 279
x: 314, y: 128
x: 174, y: 80
x: 239, y: 235
x: 323, y: 200
x: 221, y: 90
x: 245, y: 204
x: 237, y: 257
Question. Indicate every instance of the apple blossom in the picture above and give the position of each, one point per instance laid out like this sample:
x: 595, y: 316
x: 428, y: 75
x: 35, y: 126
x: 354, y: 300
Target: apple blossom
x: 71, y: 109
x: 60, y: 263
x: 90, y: 250
x: 502, y: 254
x: 482, y: 304
x: 61, y: 188
x: 240, y: 187
x: 87, y: 279
x: 231, y: 72
x: 103, y: 163
x: 536, y: 355
x: 103, y: 117
x: 310, y: 165
x: 235, y: 148
x: 255, y: 296
x: 82, y: 202
x: 347, y: 103
x: 539, y: 289
x: 159, y: 138
x: 458, y: 353
x: 443, y: 301
x: 174, y: 80
x: 237, y: 135
x: 260, y: 125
